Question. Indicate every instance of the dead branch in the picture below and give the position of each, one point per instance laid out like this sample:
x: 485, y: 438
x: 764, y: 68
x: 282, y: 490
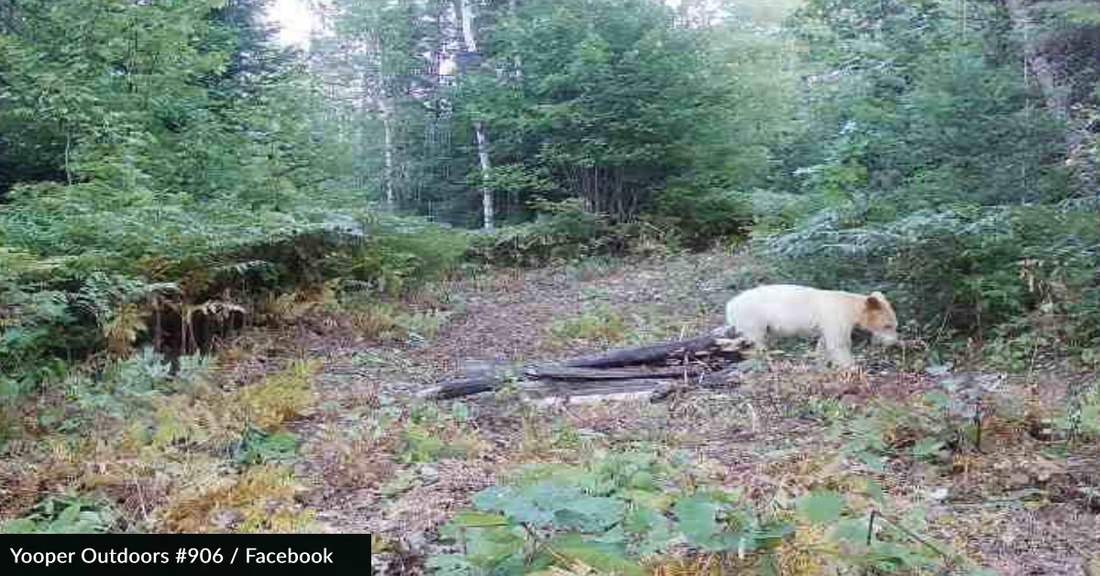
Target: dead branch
x: 702, y: 361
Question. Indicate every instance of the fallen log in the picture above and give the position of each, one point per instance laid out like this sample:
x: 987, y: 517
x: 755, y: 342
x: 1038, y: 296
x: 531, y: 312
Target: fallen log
x: 577, y: 378
x: 719, y: 379
x: 646, y: 354
x: 568, y: 390
x: 571, y: 373
x: 600, y: 373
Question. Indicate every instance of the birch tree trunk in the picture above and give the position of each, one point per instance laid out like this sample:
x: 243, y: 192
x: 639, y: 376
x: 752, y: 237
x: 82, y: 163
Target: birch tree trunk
x: 466, y: 15
x: 517, y: 60
x: 379, y: 100
x: 386, y: 113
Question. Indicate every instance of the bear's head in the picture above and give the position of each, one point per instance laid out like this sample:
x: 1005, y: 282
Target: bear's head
x: 879, y: 319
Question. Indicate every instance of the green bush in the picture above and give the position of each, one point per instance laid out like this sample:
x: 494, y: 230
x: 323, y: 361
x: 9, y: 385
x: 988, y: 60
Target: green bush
x: 85, y: 268
x: 966, y: 267
x: 563, y: 231
x: 68, y: 514
x: 400, y: 253
x: 699, y: 219
x: 630, y: 513
x: 775, y: 212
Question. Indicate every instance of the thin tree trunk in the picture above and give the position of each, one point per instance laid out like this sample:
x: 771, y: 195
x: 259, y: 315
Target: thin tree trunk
x: 387, y: 154
x: 517, y: 60
x: 466, y: 14
x: 1057, y: 97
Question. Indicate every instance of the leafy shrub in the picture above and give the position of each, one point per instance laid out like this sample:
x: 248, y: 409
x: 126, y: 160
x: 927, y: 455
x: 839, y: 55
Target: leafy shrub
x: 259, y: 447
x: 623, y: 513
x: 775, y: 212
x: 564, y: 231
x: 401, y: 253
x: 281, y: 396
x: 87, y: 267
x: 68, y: 514
x: 263, y: 497
x: 1081, y: 419
x: 699, y: 219
x: 127, y: 389
x: 599, y: 325
x: 966, y: 267
x: 916, y: 429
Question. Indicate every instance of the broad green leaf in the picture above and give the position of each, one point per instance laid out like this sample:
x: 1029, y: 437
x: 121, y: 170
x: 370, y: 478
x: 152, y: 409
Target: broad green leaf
x: 590, y: 513
x: 821, y: 507
x: 19, y: 526
x: 697, y: 518
x: 653, y: 527
x: 472, y: 519
x: 654, y: 500
x: 603, y: 557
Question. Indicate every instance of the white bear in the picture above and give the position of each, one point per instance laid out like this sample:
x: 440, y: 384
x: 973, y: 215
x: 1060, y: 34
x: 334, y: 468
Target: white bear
x: 789, y: 310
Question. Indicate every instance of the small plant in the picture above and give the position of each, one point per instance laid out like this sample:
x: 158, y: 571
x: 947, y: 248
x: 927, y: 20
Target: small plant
x: 1016, y: 354
x: 423, y: 325
x: 921, y: 429
x: 701, y: 218
x: 258, y: 447
x: 260, y: 499
x: 598, y: 325
x: 70, y: 514
x: 1080, y: 420
x: 430, y: 434
x: 281, y: 396
x: 374, y: 320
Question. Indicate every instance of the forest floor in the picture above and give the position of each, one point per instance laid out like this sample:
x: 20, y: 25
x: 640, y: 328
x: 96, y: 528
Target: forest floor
x: 375, y: 458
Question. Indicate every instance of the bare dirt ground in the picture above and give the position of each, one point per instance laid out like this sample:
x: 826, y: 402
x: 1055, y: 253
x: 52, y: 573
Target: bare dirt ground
x: 376, y: 459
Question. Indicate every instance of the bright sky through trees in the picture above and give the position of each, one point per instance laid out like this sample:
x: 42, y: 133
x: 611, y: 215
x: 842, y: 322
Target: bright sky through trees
x: 295, y: 19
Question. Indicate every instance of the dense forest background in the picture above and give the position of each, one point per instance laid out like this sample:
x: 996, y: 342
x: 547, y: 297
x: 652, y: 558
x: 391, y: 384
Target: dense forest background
x: 171, y: 175
x: 163, y: 154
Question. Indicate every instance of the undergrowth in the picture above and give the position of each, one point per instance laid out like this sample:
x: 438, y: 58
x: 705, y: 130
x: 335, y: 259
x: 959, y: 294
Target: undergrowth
x: 634, y: 512
x: 173, y: 451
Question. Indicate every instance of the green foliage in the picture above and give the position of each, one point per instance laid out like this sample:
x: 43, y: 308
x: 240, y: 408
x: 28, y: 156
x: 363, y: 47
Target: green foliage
x: 402, y: 253
x: 624, y: 512
x: 966, y: 266
x: 117, y: 259
x: 775, y: 212
x: 597, y: 325
x: 69, y: 514
x: 924, y: 428
x: 1080, y: 420
x: 701, y: 219
x: 125, y: 389
x: 259, y: 447
x: 430, y: 433
x: 610, y: 95
x: 929, y: 170
x: 607, y: 102
x: 158, y: 163
x: 565, y: 231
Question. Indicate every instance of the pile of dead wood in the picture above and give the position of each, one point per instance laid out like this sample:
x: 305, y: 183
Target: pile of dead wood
x: 656, y: 370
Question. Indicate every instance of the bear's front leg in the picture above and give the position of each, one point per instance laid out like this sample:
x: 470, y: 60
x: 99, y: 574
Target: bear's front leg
x: 838, y: 346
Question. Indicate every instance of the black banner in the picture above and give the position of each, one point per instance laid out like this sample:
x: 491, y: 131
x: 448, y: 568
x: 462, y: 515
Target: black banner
x: 190, y: 554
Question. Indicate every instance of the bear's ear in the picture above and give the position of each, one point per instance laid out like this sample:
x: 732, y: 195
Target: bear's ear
x: 875, y: 301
